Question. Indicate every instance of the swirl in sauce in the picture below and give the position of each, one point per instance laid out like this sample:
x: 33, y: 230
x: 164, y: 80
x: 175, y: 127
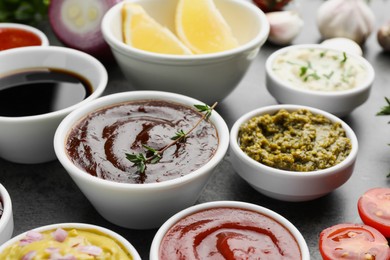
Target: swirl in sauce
x: 228, y: 233
x: 99, y: 142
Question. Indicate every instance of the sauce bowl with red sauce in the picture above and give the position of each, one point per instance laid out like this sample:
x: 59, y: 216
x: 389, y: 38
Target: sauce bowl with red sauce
x: 6, y: 216
x: 228, y: 230
x: 92, y: 142
x: 15, y: 35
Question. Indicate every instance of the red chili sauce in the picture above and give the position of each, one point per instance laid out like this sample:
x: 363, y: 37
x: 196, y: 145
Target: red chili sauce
x: 228, y: 233
x: 14, y: 38
x: 99, y: 143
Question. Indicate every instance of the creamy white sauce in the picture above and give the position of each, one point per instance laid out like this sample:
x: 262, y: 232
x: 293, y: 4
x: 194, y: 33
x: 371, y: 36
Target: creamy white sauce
x: 319, y: 69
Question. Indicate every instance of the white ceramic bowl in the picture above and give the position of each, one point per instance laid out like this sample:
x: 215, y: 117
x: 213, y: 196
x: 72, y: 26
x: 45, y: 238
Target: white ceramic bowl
x: 126, y: 245
x: 155, y: 247
x: 207, y: 77
x: 28, y: 28
x: 290, y: 185
x: 29, y: 139
x: 7, y: 219
x: 139, y: 206
x: 339, y: 103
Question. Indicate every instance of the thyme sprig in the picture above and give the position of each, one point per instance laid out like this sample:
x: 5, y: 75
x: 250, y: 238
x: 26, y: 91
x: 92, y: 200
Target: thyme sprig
x: 386, y: 109
x: 140, y: 160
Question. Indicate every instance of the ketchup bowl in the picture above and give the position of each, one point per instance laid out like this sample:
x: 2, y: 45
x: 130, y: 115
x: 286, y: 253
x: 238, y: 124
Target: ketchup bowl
x: 97, y: 143
x: 39, y: 86
x: 16, y: 35
x: 228, y: 230
x: 6, y: 216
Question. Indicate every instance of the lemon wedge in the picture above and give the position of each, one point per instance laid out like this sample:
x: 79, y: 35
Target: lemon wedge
x: 202, y: 28
x: 143, y: 32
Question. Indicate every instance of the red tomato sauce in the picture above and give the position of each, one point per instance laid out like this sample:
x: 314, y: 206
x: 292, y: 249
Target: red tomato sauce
x: 14, y: 38
x: 228, y: 233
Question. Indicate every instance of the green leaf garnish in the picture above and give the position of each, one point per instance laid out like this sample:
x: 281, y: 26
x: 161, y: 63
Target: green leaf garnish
x: 344, y: 60
x: 328, y: 76
x: 179, y: 134
x: 386, y: 109
x: 303, y: 71
x: 139, y: 160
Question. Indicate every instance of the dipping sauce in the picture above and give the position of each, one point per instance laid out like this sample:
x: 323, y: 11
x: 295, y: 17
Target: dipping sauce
x: 14, y: 38
x: 98, y: 143
x: 39, y: 91
x: 65, y: 244
x: 319, y: 69
x: 294, y: 141
x: 228, y: 233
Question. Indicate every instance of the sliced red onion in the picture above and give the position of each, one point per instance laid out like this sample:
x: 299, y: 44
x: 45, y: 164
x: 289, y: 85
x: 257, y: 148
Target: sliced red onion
x: 90, y: 250
x: 34, y: 235
x: 60, y: 235
x: 52, y: 250
x: 77, y: 24
x: 30, y: 255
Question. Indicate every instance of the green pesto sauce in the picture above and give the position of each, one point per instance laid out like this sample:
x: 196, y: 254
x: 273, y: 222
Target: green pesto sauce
x: 294, y: 141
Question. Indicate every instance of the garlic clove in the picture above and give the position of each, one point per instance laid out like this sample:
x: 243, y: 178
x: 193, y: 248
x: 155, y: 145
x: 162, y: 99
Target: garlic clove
x: 284, y: 26
x: 343, y: 44
x: 351, y: 19
x: 383, y: 36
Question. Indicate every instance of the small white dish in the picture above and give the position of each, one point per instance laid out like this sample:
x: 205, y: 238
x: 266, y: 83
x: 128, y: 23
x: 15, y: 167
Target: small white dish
x: 290, y: 185
x: 6, y: 219
x: 29, y: 139
x: 207, y: 77
x: 127, y: 247
x: 43, y: 38
x: 338, y: 102
x: 214, y: 231
x: 139, y: 205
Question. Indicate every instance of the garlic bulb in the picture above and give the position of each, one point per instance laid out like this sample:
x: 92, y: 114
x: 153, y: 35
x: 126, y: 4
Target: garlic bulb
x: 343, y: 44
x: 383, y: 36
x: 284, y: 26
x: 351, y: 19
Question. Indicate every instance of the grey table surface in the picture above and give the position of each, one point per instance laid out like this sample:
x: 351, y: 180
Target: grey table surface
x: 44, y: 193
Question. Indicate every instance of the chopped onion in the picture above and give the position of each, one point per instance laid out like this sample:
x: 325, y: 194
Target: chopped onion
x: 60, y: 235
x: 90, y: 250
x: 30, y: 255
x: 77, y: 24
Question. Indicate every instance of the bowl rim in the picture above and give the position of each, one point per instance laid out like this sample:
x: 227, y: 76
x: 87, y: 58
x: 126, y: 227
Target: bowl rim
x: 83, y: 226
x: 36, y: 31
x: 363, y: 86
x: 49, y: 50
x: 7, y: 208
x: 235, y: 148
x: 154, y: 249
x: 70, y: 120
x: 127, y: 50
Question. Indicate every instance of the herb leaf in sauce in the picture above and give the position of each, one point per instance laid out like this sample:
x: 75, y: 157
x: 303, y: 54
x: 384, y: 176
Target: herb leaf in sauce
x: 344, y: 60
x: 140, y: 160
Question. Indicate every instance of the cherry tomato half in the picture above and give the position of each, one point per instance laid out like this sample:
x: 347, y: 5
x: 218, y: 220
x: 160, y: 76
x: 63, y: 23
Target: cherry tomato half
x: 353, y: 241
x: 374, y: 209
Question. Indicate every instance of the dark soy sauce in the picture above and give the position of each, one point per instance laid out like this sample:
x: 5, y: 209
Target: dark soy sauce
x: 41, y: 90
